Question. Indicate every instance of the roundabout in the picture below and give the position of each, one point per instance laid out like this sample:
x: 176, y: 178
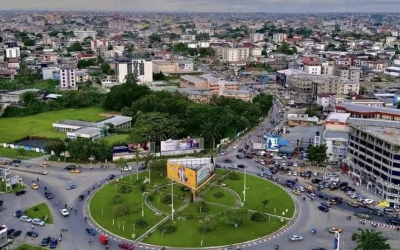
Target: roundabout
x: 134, y: 210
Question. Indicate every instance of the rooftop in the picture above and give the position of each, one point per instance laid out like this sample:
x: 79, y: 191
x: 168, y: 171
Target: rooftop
x: 22, y: 91
x: 367, y: 109
x: 76, y: 123
x: 193, y: 79
x: 86, y: 130
x: 117, y: 120
x: 336, y: 134
x: 337, y: 117
x: 390, y: 135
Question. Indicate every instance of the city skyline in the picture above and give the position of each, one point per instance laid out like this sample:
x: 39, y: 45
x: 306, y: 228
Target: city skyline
x: 268, y: 6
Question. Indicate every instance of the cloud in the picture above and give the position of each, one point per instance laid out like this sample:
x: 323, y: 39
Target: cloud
x: 207, y: 5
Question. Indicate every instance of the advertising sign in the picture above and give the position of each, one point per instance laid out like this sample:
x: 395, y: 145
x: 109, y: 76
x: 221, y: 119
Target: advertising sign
x: 181, y: 174
x: 271, y: 143
x: 132, y: 148
x: 204, y: 172
x: 186, y: 143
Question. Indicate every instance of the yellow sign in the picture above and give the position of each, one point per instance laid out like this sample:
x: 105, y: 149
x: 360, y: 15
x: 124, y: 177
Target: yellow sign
x: 181, y: 174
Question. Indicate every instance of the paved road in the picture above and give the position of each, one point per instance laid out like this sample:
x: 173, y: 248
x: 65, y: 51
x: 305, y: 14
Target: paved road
x: 77, y: 238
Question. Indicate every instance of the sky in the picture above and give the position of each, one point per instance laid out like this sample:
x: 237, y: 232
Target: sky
x: 271, y: 6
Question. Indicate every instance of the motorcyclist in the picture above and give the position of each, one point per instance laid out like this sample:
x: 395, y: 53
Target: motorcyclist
x: 277, y: 247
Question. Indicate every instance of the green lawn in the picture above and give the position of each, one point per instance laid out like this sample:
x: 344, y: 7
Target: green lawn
x: 116, y: 138
x: 155, y: 179
x: 14, y: 189
x: 228, y: 198
x: 260, y: 190
x: 189, y: 235
x: 29, y: 247
x: 101, y: 207
x: 12, y: 129
x: 43, y: 210
x: 194, y: 210
x: 13, y: 153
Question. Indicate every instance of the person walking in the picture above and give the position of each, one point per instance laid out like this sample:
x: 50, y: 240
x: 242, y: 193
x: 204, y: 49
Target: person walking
x: 70, y: 207
x: 65, y: 206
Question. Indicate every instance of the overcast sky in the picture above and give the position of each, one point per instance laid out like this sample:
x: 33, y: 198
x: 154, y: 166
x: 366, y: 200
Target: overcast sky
x: 207, y: 5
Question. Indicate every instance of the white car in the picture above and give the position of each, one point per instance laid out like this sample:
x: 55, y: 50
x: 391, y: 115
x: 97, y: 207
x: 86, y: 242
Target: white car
x: 64, y: 212
x: 295, y: 238
x: 38, y: 222
x: 233, y: 166
x: 368, y: 201
x: 295, y: 164
x: 335, y: 179
x: 289, y: 173
x: 235, y: 146
x: 301, y: 189
x: 25, y: 218
x: 295, y: 173
x: 127, y: 168
x: 277, y: 157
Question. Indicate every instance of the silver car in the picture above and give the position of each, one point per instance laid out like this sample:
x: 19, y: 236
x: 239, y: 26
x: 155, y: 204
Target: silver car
x: 25, y: 218
x: 38, y: 222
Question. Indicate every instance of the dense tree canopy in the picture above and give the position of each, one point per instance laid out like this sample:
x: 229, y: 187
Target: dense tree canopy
x: 369, y: 239
x: 124, y: 95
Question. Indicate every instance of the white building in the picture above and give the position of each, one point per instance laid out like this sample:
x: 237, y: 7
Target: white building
x: 142, y: 68
x: 188, y: 37
x: 13, y: 52
x: 67, y: 78
x: 256, y: 37
x: 235, y: 54
x: 279, y: 37
x: 82, y: 34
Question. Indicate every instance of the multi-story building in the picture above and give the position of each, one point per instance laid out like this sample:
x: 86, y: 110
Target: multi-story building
x: 82, y: 34
x: 188, y: 37
x: 234, y: 54
x: 256, y: 37
x: 13, y: 52
x: 142, y: 68
x: 171, y: 67
x: 347, y: 72
x: 67, y: 78
x: 373, y: 159
x: 279, y: 37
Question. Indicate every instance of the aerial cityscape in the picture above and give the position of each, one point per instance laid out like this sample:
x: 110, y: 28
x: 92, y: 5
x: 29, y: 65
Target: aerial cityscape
x: 221, y: 125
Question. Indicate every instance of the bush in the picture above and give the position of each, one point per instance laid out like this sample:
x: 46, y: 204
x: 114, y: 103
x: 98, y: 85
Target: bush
x: 142, y: 188
x: 150, y: 197
x: 124, y: 189
x: 203, y: 207
x: 234, y: 176
x: 258, y: 217
x: 35, y: 209
x: 167, y: 199
x: 141, y: 223
x: 116, y: 199
x: 219, y: 195
x: 190, y: 217
x: 168, y: 228
x: 265, y: 202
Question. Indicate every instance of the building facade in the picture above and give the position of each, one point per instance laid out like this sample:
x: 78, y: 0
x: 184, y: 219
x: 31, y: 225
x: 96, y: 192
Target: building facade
x: 67, y: 79
x: 142, y: 68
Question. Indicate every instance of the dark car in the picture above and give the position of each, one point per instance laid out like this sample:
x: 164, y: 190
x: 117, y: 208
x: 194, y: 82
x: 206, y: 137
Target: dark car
x: 319, y: 248
x: 291, y: 182
x: 393, y: 222
x: 347, y: 188
x: 19, y: 213
x: 16, y: 161
x: 333, y: 187
x: 246, y: 147
x: 20, y: 192
x: 337, y: 199
x: 142, y: 167
x: 126, y: 245
x: 343, y: 184
x: 32, y: 234
x: 70, y: 167
x: 239, y: 157
x: 218, y: 166
x: 10, y: 231
x: 45, y: 241
x: 15, y: 234
x: 110, y: 177
x: 53, y: 243
x: 323, y: 196
x: 49, y: 195
x: 249, y: 157
x: 240, y: 150
x: 376, y: 212
x: 316, y: 181
x: 91, y: 231
x: 323, y: 208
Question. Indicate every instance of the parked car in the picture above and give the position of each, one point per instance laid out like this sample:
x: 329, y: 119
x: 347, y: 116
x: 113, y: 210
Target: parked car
x: 235, y: 146
x: 241, y: 166
x: 326, y: 204
x: 45, y: 241
x: 20, y: 192
x: 91, y: 231
x: 296, y: 192
x: 316, y: 181
x: 18, y: 213
x: 10, y: 231
x: 239, y: 157
x: 16, y: 161
x: 15, y: 234
x: 32, y: 234
x: 376, y: 212
x: 323, y: 196
x: 393, y: 222
x: 126, y: 245
x: 38, y: 222
x: 70, y: 167
x: 363, y: 216
x: 338, y: 200
x: 25, y: 218
x: 240, y: 150
x: 53, y: 243
x: 295, y: 238
x: 323, y: 209
x: 312, y: 195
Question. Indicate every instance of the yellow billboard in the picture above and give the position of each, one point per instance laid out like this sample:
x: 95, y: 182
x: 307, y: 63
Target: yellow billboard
x: 181, y: 174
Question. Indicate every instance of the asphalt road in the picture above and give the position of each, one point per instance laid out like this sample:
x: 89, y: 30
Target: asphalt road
x: 76, y: 237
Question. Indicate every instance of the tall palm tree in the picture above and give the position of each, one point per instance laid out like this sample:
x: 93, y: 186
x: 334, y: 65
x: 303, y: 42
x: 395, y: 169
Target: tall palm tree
x: 210, y: 132
x: 369, y: 239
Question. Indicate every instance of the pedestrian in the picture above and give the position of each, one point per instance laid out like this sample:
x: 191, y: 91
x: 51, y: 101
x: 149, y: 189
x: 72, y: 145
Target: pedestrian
x: 33, y: 180
x: 32, y: 226
x: 45, y: 188
x: 70, y: 207
x: 76, y: 211
x: 65, y: 206
x: 94, y: 187
x: 88, y: 192
x: 37, y: 179
x: 60, y: 236
x: 99, y: 184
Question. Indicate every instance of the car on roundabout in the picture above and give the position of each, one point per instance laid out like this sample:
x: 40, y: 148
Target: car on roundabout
x: 71, y: 186
x: 44, y: 164
x: 64, y: 212
x: 333, y: 230
x: 312, y: 196
x: 295, y: 238
x: 235, y: 146
x: 126, y: 245
x: 91, y: 231
x: 323, y: 209
x: 75, y: 171
x: 297, y: 192
x: 363, y: 216
x: 353, y: 204
x: 326, y: 204
x: 45, y: 241
x: 319, y: 248
x: 127, y: 168
x: 3, y: 163
x: 34, y: 186
x: 49, y: 195
x: 70, y: 167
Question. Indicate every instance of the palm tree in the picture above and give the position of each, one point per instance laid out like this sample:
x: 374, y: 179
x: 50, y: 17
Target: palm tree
x: 211, y: 132
x: 121, y: 163
x: 369, y: 239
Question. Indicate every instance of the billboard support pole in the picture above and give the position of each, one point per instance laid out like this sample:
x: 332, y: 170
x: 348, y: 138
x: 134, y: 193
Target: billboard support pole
x: 172, y: 205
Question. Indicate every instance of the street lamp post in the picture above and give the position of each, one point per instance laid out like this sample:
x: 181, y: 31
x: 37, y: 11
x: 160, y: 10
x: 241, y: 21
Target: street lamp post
x: 172, y: 203
x: 149, y: 175
x: 244, y: 184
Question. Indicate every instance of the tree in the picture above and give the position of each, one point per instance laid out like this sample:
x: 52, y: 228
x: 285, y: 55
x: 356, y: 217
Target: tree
x: 207, y: 224
x: 21, y: 151
x: 131, y: 78
x: 124, y: 95
x: 317, y: 154
x: 235, y: 217
x: 211, y: 132
x: 29, y: 98
x: 369, y: 239
x: 86, y: 63
x: 312, y: 110
x: 57, y: 147
x: 159, y: 167
x: 120, y: 210
x: 155, y: 38
x: 75, y: 47
x: 121, y: 163
x: 105, y: 68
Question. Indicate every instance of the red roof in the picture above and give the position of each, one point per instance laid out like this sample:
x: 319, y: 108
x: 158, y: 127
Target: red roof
x: 311, y: 60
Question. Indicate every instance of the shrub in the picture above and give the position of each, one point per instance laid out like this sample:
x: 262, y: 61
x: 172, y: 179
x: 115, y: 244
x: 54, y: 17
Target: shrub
x: 142, y: 188
x: 234, y: 176
x: 265, y: 202
x: 258, y: 217
x: 35, y: 209
x: 190, y: 217
x: 124, y: 189
x: 168, y: 228
x: 116, y: 199
x: 203, y: 207
x: 141, y: 223
x: 167, y: 199
x: 219, y: 195
x: 150, y: 197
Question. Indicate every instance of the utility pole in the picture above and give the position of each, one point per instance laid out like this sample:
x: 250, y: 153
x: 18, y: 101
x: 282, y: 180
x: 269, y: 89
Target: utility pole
x: 244, y: 186
x: 172, y: 205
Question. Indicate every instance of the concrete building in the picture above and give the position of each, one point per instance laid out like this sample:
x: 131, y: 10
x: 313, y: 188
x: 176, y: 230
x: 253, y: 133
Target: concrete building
x: 256, y: 37
x: 349, y: 73
x: 142, y: 68
x: 234, y: 54
x: 279, y: 37
x: 188, y: 38
x: 336, y: 143
x: 13, y: 52
x: 15, y: 96
x: 67, y: 79
x: 171, y: 67
x: 82, y: 34
x: 373, y: 159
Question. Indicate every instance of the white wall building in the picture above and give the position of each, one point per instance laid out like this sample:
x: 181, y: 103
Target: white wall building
x: 256, y: 37
x: 82, y: 34
x: 143, y: 68
x: 13, y: 52
x: 67, y: 78
x: 235, y: 54
x: 279, y: 37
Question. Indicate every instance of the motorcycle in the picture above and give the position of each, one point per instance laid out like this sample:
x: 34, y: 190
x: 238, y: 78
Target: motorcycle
x: 313, y: 231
